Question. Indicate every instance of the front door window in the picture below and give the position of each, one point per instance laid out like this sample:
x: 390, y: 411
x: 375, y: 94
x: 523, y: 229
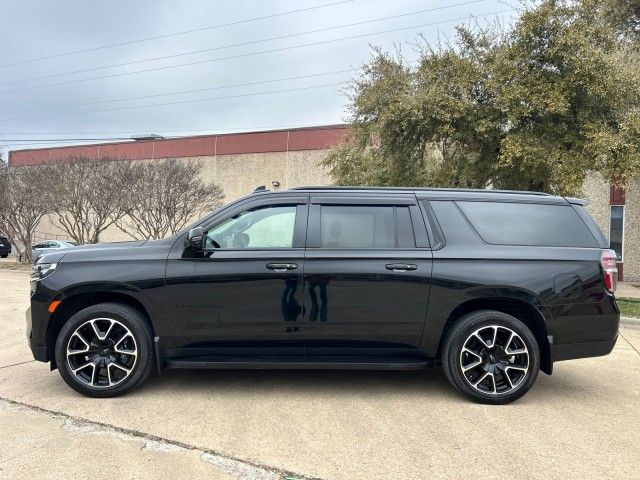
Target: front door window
x: 270, y: 227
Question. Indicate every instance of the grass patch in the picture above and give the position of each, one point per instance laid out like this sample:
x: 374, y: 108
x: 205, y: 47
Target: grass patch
x: 629, y: 307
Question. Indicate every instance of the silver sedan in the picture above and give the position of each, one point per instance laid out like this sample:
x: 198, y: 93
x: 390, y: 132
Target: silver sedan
x: 47, y: 246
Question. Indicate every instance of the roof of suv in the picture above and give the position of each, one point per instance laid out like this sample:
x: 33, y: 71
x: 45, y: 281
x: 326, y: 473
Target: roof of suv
x: 416, y: 189
x: 447, y: 194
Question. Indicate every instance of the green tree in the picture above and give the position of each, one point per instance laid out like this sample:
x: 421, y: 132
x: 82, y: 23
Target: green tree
x: 533, y: 107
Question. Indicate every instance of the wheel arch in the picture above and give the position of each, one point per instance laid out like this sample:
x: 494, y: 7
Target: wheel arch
x: 523, y: 311
x: 74, y: 303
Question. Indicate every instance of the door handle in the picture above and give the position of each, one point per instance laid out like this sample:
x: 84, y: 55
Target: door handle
x: 282, y: 267
x: 401, y: 267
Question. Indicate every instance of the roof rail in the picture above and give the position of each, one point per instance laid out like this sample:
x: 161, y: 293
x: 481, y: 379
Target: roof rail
x: 423, y: 189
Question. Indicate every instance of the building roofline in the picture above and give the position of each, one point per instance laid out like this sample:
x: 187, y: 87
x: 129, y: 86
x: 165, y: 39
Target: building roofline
x: 258, y: 141
x: 204, y: 135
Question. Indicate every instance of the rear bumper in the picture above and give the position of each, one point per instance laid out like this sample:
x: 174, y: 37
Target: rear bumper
x: 570, y: 351
x: 581, y: 330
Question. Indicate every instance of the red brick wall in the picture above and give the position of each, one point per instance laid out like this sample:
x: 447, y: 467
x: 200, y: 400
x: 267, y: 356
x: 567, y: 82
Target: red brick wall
x: 616, y: 195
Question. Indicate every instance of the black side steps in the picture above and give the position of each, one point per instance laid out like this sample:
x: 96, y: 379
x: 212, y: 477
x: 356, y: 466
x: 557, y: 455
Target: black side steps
x: 300, y: 363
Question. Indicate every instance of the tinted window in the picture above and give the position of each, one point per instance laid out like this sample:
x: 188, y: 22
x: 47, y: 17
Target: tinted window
x: 365, y: 227
x: 528, y: 224
x: 616, y: 229
x: 406, y: 237
x: 270, y: 227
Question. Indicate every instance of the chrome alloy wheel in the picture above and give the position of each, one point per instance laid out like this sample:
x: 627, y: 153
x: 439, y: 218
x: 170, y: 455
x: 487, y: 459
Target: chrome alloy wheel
x: 494, y: 360
x: 101, y: 352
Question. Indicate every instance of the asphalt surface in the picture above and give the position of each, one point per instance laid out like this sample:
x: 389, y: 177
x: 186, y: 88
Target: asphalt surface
x: 581, y: 422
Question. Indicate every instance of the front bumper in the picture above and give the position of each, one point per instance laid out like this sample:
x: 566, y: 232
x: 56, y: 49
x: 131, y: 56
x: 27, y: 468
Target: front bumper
x: 37, y: 341
x: 38, y: 319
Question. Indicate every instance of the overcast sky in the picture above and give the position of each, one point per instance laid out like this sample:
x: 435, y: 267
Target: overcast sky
x: 34, y: 29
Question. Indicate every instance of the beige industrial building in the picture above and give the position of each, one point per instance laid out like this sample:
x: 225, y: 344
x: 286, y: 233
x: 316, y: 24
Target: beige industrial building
x: 281, y: 159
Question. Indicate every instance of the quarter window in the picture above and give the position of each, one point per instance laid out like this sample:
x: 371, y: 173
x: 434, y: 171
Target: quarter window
x: 502, y: 223
x: 616, y: 230
x: 366, y: 227
x: 270, y: 227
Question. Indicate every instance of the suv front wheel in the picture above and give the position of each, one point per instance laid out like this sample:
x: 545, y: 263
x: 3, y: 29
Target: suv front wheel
x: 491, y: 357
x: 105, y: 350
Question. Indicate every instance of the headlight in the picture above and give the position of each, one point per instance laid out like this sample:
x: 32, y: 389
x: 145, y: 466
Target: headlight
x: 41, y: 270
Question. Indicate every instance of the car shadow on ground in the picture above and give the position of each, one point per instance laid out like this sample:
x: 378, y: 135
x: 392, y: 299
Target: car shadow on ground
x: 307, y: 381
x: 430, y: 382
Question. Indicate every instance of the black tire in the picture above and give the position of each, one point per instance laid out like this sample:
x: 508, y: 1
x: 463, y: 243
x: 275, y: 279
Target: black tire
x: 4, y: 255
x: 123, y: 318
x: 496, y: 389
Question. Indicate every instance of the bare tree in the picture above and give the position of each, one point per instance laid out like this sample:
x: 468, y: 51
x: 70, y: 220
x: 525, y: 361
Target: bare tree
x: 90, y: 195
x: 167, y: 194
x: 25, y: 197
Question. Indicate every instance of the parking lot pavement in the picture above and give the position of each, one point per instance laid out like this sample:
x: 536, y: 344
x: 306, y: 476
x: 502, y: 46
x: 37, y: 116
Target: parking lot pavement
x: 40, y: 445
x: 581, y: 422
x: 11, y: 259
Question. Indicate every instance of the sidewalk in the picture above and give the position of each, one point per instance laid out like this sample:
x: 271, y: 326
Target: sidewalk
x: 627, y: 290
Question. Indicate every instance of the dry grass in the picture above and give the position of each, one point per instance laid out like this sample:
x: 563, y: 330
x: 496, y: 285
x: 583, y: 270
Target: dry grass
x: 20, y: 267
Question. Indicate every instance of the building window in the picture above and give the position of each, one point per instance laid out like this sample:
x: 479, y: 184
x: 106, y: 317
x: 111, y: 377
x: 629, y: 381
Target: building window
x: 616, y: 230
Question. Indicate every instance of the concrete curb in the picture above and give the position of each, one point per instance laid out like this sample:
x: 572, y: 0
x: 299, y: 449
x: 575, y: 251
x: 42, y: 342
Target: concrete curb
x: 630, y: 321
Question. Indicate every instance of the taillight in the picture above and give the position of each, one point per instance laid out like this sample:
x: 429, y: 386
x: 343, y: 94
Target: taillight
x: 609, y: 269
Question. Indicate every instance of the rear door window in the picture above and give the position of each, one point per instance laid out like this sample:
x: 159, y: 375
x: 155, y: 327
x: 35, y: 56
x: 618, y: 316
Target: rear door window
x: 406, y: 237
x: 366, y: 226
x: 502, y: 223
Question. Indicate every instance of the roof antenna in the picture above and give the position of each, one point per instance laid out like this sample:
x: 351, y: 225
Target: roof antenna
x: 261, y: 188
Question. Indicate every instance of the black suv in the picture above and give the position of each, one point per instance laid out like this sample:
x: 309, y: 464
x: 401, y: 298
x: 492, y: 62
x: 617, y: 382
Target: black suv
x: 493, y: 285
x: 5, y: 247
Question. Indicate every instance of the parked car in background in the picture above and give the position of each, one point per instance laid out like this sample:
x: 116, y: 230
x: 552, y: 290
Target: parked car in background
x: 492, y: 285
x: 46, y: 246
x: 5, y: 247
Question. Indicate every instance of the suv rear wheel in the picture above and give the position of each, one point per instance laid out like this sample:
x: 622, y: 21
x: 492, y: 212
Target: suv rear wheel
x: 105, y: 350
x: 491, y: 357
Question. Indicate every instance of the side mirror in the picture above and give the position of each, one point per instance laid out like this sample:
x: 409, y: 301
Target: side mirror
x: 195, y: 237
